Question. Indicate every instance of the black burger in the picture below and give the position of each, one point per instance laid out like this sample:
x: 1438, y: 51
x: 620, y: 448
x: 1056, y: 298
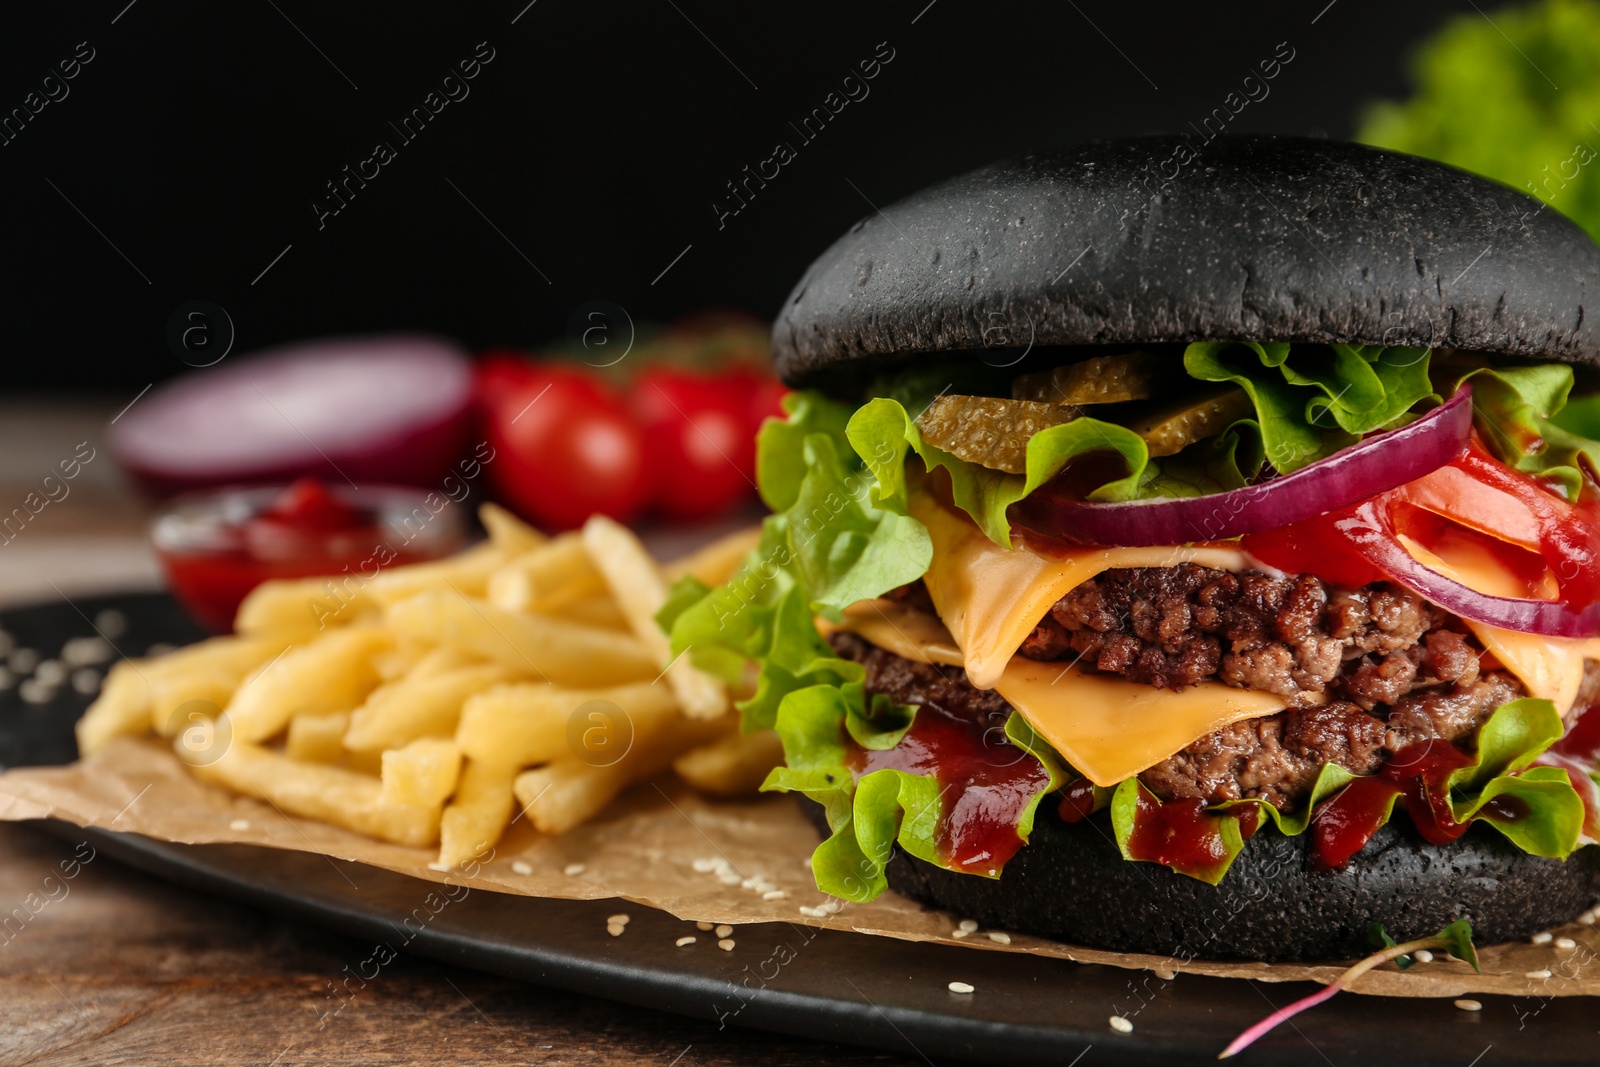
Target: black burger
x: 1188, y: 551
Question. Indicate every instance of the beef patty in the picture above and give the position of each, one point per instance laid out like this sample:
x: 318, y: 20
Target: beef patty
x: 1392, y: 669
x: 1295, y: 636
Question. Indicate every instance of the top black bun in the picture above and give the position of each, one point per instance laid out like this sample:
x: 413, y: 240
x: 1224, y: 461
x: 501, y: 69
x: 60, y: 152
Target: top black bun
x: 1148, y: 240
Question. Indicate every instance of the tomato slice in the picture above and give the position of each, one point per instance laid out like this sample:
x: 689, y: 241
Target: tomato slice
x: 1474, y: 505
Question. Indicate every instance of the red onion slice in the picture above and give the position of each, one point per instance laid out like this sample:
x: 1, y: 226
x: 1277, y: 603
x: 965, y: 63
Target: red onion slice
x: 1372, y: 535
x: 374, y: 410
x: 1374, y: 465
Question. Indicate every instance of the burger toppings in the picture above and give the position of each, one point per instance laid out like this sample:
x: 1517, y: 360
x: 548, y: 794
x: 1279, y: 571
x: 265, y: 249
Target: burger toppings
x: 1381, y: 637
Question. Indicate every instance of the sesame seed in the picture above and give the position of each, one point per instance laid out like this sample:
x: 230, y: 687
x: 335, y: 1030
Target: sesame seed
x: 729, y: 878
x: 1166, y: 974
x: 998, y: 938
x: 702, y: 926
x: 1537, y: 974
x: 111, y: 622
x: 521, y: 867
x: 50, y: 672
x: 684, y: 942
x: 23, y: 660
x: 1542, y: 938
x: 961, y: 987
x: 958, y: 933
x: 724, y: 930
x: 774, y: 894
x: 571, y: 870
x: 621, y: 918
x: 1121, y: 1025
x: 1469, y: 1005
x: 726, y: 944
x: 748, y: 883
x: 814, y: 913
x: 85, y: 681
x: 969, y: 925
x: 86, y: 651
x: 705, y: 866
x: 615, y: 929
x: 239, y: 825
x: 832, y: 907
x: 1566, y: 942
x: 1422, y: 955
x: 36, y: 692
x: 1588, y: 918
x: 440, y: 867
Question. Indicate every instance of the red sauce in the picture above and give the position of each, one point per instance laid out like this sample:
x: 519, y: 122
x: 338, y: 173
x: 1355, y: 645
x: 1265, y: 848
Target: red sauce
x: 1248, y: 817
x: 985, y: 782
x: 1346, y: 821
x: 1582, y: 739
x: 1417, y: 774
x: 1507, y: 808
x: 232, y: 541
x: 1178, y: 833
x: 1077, y: 801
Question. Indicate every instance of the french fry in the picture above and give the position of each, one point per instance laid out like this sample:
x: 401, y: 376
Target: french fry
x: 174, y: 695
x: 466, y: 572
x: 317, y: 791
x: 422, y: 773
x: 476, y: 817
x: 440, y: 660
x: 509, y: 534
x: 715, y: 563
x: 547, y: 578
x: 566, y: 653
x: 298, y: 609
x: 599, y: 611
x: 317, y: 738
x: 520, y: 725
x: 332, y: 673
x: 123, y: 707
x: 567, y: 792
x: 640, y: 590
x: 427, y: 706
x: 733, y: 766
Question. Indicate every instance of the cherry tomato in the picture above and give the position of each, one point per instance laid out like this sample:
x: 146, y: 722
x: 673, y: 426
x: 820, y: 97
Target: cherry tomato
x: 764, y: 394
x: 699, y: 440
x: 565, y: 448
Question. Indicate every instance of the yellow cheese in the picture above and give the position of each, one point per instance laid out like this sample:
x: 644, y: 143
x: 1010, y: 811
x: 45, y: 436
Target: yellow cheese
x: 1105, y: 726
x: 1109, y: 728
x: 991, y: 598
x: 1548, y: 667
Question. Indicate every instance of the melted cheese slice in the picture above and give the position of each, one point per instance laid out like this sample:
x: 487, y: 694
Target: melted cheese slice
x: 991, y: 598
x: 1105, y: 726
x: 1548, y: 667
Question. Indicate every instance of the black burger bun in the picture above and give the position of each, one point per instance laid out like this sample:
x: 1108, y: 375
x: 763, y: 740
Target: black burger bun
x: 1069, y: 883
x: 1171, y: 239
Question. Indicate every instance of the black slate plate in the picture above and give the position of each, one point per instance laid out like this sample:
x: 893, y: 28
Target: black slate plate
x: 821, y: 984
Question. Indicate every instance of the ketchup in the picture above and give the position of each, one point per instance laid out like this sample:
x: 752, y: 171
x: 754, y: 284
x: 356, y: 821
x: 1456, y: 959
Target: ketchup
x: 1077, y: 801
x: 217, y: 547
x: 1178, y: 833
x: 985, y: 783
x: 1418, y: 775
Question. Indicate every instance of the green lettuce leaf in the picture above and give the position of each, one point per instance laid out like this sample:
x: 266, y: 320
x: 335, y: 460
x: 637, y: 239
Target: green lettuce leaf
x: 1523, y: 415
x: 883, y: 432
x: 1506, y: 746
x: 1312, y: 400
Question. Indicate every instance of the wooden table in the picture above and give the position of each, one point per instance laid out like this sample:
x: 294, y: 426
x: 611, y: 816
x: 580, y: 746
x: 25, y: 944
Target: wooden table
x: 120, y: 968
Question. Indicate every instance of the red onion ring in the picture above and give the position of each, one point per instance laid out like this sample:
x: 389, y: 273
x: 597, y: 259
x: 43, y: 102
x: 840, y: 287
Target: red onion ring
x: 1374, y: 465
x: 1371, y: 533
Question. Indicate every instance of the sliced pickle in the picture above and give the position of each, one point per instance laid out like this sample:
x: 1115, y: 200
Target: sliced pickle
x: 1178, y: 425
x: 1101, y: 380
x: 990, y: 431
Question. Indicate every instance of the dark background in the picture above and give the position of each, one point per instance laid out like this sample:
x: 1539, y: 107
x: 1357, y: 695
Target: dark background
x: 595, y: 143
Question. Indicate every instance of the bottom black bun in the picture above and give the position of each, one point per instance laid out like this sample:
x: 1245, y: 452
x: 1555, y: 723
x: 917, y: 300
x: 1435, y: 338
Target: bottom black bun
x: 1069, y: 883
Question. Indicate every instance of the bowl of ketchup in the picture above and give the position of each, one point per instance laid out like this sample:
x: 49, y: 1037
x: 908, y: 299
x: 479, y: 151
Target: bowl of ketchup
x: 218, y: 545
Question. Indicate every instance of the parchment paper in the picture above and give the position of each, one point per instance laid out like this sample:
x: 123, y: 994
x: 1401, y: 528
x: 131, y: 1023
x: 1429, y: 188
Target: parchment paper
x: 664, y: 847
